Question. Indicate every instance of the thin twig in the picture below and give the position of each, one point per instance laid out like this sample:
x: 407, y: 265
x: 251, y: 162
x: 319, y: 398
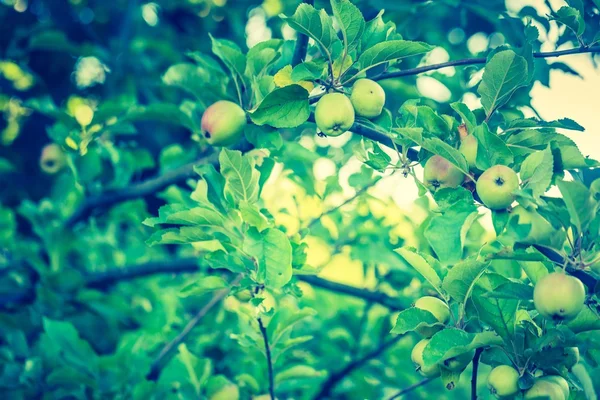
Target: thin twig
x: 165, y: 354
x: 475, y: 373
x: 263, y: 332
x: 336, y: 377
x: 345, y: 202
x: 410, y: 388
x: 479, y: 60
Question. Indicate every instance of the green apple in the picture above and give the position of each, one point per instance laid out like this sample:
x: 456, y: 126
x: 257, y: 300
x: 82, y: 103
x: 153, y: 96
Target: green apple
x: 437, y: 307
x: 223, y: 123
x: 368, y: 98
x: 559, y: 296
x: 541, y: 229
x: 571, y: 357
x: 417, y: 358
x: 52, y: 159
x: 496, y: 185
x: 503, y: 381
x: 560, y: 381
x: 334, y: 114
x: 544, y: 390
x: 468, y: 148
x: 439, y: 173
x: 460, y: 362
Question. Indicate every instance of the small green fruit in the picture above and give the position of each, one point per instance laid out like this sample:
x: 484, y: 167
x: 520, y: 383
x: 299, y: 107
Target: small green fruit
x: 460, y: 362
x: 439, y: 173
x: 52, y: 159
x: 334, y: 114
x: 560, y: 381
x: 544, y: 390
x: 223, y: 123
x: 437, y: 307
x: 595, y: 189
x: 571, y: 357
x: 503, y: 381
x: 468, y: 148
x: 541, y: 230
x: 496, y: 185
x: 417, y: 358
x: 368, y: 98
x: 559, y: 296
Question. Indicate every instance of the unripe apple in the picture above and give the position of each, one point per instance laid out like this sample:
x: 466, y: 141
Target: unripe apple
x: 541, y: 229
x: 468, y: 148
x: 559, y: 296
x: 496, y: 185
x: 460, y: 362
x: 417, y: 358
x: 223, y: 123
x: 595, y: 189
x: 334, y: 114
x: 503, y: 381
x: 560, y: 381
x: 368, y: 98
x: 437, y: 307
x: 544, y: 390
x: 439, y: 173
x: 571, y: 357
x: 52, y: 159
x: 227, y: 392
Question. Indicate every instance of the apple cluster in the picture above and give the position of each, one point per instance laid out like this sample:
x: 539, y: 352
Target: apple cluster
x: 503, y: 382
x: 335, y: 112
x: 440, y: 310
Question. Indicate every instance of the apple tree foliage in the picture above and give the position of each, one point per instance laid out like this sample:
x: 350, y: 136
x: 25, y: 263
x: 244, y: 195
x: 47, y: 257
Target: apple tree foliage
x: 137, y: 261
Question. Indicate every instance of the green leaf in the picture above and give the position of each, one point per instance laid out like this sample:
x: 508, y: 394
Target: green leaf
x: 462, y: 277
x: 6, y: 166
x: 572, y: 18
x: 504, y: 73
x: 180, y: 215
x: 586, y: 320
x: 452, y: 342
x: 466, y: 114
x: 314, y: 24
x: 286, y: 107
x: 252, y: 216
x: 230, y: 54
x: 241, y: 178
x: 261, y: 56
x: 491, y: 149
x: 446, y: 232
x: 511, y: 290
x: 70, y: 347
x: 351, y: 21
x: 377, y: 31
x: 163, y: 112
x: 390, y: 50
x: 422, y: 267
x: 443, y: 149
x: 536, y: 171
x: 415, y: 319
x: 497, y: 313
x: 273, y: 254
x: 563, y: 123
x: 579, y: 203
x: 308, y: 71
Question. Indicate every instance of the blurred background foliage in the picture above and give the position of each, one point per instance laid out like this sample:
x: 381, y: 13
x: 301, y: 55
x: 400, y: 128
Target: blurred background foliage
x: 98, y: 78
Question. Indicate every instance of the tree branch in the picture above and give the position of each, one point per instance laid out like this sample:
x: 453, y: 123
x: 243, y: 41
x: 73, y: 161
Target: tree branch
x: 301, y: 44
x: 475, y: 372
x: 114, y: 275
x: 410, y: 388
x: 136, y: 190
x: 375, y: 297
x: 479, y: 60
x: 336, y: 377
x: 165, y: 354
x: 263, y: 332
